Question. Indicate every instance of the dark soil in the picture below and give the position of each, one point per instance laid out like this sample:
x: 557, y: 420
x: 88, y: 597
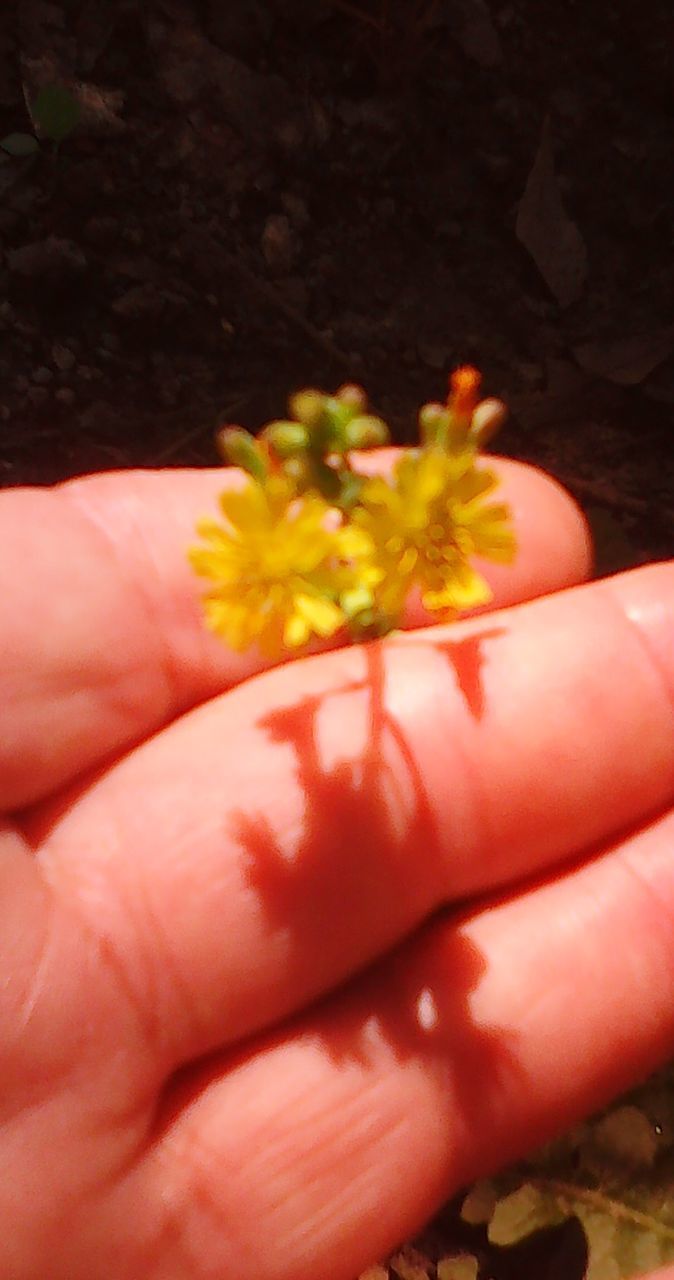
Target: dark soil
x: 263, y: 195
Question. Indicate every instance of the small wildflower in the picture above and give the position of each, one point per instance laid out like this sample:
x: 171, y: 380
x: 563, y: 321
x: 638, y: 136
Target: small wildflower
x: 309, y: 545
x: 277, y: 567
x: 428, y: 524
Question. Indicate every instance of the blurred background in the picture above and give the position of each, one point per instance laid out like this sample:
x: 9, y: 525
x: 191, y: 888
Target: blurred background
x: 232, y: 200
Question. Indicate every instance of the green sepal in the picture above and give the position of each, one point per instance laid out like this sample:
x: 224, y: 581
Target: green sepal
x: 239, y: 448
x: 351, y: 488
x: 325, y: 479
x: 336, y: 417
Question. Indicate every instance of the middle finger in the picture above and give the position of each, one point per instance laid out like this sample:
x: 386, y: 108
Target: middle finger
x: 276, y: 840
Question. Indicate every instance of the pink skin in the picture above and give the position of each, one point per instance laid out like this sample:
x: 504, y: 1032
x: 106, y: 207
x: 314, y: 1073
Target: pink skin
x: 241, y: 1029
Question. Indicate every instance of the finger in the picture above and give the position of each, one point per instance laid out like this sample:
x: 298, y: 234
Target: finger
x: 104, y: 641
x: 469, y: 1047
x: 276, y: 840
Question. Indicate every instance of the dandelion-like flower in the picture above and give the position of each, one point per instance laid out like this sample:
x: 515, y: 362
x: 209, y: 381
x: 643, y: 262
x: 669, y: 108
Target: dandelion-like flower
x: 278, y: 568
x: 428, y: 524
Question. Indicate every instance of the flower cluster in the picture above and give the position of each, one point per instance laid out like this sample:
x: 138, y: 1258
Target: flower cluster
x: 310, y: 546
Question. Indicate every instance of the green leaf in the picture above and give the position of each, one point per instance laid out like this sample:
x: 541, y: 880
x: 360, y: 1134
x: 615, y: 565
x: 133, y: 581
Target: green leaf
x: 613, y: 1172
x: 20, y: 144
x: 629, y: 1228
x: 56, y: 112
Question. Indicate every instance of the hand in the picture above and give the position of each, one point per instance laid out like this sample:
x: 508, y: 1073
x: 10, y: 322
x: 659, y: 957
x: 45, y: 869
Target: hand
x: 243, y: 1031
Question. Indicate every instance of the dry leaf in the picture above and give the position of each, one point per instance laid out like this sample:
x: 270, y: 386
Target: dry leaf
x: 547, y: 232
x: 464, y: 1268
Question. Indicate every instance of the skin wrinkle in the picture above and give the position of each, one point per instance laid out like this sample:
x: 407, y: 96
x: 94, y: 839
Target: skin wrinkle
x: 163, y: 974
x: 137, y: 585
x: 141, y: 994
x: 23, y: 1011
x: 196, y: 1151
x: 661, y: 918
x: 143, y: 1013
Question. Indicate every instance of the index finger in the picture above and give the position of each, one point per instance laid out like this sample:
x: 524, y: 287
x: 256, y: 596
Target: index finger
x: 104, y: 643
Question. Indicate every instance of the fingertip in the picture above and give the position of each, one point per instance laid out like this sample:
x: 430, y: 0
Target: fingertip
x: 554, y: 533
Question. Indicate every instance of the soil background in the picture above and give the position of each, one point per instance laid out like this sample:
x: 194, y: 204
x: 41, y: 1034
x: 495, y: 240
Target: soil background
x: 260, y: 196
x: 265, y: 195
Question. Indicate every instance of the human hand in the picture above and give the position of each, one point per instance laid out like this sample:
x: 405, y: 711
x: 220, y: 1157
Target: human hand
x: 240, y: 1032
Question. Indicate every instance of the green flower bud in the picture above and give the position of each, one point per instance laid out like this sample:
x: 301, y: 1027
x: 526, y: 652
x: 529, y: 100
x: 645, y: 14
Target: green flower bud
x: 337, y: 417
x: 240, y: 449
x: 351, y: 486
x: 286, y: 438
x: 433, y: 423
x: 366, y: 432
x: 354, y: 396
x: 488, y: 418
x: 307, y: 406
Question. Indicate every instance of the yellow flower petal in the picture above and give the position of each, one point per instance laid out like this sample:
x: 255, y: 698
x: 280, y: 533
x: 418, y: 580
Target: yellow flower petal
x: 323, y: 616
x: 426, y: 525
x: 278, y: 567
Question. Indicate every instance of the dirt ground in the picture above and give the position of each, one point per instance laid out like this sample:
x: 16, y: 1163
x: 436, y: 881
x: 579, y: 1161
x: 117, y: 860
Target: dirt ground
x: 264, y: 195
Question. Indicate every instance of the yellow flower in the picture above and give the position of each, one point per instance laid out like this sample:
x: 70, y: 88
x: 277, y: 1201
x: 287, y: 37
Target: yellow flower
x: 277, y: 570
x: 426, y: 526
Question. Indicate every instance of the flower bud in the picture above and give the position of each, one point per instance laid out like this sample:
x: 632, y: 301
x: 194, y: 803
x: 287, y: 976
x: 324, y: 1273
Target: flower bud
x: 433, y: 422
x: 366, y: 432
x: 353, y: 395
x: 240, y: 449
x: 286, y: 438
x: 307, y: 406
x: 488, y: 418
x: 464, y: 385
